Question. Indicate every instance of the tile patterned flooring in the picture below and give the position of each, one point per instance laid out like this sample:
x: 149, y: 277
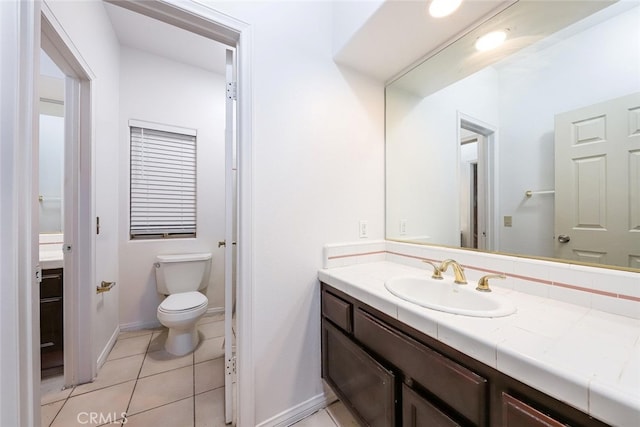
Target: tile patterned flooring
x: 153, y: 388
x: 143, y: 381
x: 335, y: 415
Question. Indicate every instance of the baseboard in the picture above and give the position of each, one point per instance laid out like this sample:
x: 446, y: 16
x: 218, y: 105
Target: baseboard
x: 298, y: 412
x: 107, y: 349
x: 136, y: 326
x: 214, y: 310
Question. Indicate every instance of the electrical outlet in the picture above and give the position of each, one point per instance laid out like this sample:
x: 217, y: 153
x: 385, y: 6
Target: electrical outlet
x: 363, y: 228
x: 403, y: 226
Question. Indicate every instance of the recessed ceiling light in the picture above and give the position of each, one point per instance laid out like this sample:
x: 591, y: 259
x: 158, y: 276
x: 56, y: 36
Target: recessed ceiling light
x: 442, y: 8
x: 491, y: 40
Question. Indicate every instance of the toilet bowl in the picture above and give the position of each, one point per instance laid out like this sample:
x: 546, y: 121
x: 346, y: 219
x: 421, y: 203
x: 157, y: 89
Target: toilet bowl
x: 181, y: 278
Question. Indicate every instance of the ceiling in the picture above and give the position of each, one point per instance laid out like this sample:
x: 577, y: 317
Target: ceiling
x: 401, y: 33
x: 150, y: 35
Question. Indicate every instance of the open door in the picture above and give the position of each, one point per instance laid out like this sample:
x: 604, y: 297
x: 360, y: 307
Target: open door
x: 230, y: 236
x: 597, y: 171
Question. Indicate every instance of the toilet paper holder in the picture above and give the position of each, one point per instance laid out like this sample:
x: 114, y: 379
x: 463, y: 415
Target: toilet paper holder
x: 105, y: 287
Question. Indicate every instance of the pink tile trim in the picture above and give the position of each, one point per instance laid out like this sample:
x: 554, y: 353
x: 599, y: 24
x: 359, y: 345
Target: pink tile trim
x: 358, y: 254
x: 410, y: 256
x: 532, y: 279
x: 580, y: 288
x: 629, y: 297
x: 515, y: 276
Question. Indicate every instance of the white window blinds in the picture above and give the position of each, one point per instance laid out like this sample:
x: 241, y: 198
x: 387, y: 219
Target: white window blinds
x: 163, y: 184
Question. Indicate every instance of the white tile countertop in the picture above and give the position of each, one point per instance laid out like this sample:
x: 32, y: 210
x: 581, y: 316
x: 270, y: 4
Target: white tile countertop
x: 51, y: 255
x: 584, y: 357
x: 51, y: 259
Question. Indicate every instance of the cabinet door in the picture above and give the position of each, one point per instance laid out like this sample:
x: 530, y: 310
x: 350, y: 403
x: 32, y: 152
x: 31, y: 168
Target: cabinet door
x: 516, y: 413
x: 419, y: 412
x: 463, y: 390
x: 364, y: 386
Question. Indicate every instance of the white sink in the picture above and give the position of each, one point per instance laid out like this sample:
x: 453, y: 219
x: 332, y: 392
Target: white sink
x: 444, y: 295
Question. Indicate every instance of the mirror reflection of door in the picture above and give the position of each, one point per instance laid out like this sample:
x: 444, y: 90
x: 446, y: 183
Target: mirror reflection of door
x: 475, y: 185
x: 469, y: 188
x: 597, y: 175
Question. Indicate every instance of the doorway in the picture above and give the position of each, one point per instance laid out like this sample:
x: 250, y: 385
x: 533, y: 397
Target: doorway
x: 51, y: 202
x: 476, y: 151
x: 81, y: 264
x: 72, y: 254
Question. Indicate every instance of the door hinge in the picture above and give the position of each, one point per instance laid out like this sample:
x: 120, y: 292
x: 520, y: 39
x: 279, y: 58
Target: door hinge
x: 38, y: 274
x: 232, y: 90
x: 231, y: 366
x: 97, y: 225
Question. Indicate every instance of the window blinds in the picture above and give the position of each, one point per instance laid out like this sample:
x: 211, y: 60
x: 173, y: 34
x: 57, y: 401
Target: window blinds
x: 163, y: 184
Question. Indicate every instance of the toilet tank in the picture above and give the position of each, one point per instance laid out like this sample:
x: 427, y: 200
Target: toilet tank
x: 182, y: 272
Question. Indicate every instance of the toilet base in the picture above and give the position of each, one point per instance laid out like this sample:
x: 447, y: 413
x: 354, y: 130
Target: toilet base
x: 181, y: 341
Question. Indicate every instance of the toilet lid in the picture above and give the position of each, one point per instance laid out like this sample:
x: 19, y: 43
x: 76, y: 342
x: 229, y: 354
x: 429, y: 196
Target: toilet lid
x: 183, y: 301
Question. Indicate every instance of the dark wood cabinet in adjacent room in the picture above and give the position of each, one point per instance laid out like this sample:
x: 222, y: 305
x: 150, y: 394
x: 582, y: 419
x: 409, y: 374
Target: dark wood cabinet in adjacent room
x: 51, y: 322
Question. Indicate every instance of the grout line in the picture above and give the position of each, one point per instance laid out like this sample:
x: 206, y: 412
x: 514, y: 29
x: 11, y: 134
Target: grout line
x: 57, y: 413
x: 136, y: 379
x: 331, y: 416
x: 207, y: 391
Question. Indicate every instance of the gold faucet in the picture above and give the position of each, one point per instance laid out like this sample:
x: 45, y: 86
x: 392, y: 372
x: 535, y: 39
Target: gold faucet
x: 483, y: 283
x: 437, y: 273
x: 458, y: 271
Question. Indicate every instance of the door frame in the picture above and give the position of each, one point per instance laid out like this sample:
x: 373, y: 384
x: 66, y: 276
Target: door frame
x: 488, y: 155
x: 19, y: 367
x: 79, y: 209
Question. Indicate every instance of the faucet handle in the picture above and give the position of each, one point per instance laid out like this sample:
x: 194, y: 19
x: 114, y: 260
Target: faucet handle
x: 437, y: 273
x: 483, y: 283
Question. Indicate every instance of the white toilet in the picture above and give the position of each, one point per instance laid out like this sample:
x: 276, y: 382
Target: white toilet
x: 180, y: 278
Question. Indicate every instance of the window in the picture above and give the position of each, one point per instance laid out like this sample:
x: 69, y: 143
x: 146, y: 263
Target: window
x: 163, y: 182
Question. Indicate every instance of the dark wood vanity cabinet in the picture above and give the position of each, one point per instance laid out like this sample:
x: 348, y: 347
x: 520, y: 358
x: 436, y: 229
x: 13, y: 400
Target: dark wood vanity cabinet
x: 389, y: 374
x: 516, y: 413
x: 51, y: 321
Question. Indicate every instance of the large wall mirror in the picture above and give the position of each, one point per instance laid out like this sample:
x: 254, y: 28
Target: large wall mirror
x: 51, y: 143
x: 531, y: 148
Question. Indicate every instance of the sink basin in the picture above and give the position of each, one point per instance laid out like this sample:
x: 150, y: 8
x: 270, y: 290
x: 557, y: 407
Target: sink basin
x: 444, y: 295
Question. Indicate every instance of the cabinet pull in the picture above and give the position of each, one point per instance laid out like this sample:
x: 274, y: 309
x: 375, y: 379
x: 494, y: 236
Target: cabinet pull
x: 46, y: 344
x: 51, y: 276
x: 46, y: 300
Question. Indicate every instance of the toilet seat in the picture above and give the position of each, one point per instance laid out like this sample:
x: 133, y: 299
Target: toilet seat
x: 183, y: 301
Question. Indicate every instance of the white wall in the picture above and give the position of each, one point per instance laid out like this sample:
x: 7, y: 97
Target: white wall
x: 318, y: 168
x: 422, y: 155
x: 159, y: 90
x: 94, y: 38
x: 598, y: 64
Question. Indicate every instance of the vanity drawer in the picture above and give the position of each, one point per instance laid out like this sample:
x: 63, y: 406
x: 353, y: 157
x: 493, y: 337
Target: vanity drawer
x: 365, y: 387
x: 458, y: 387
x: 419, y: 412
x: 51, y: 285
x: 338, y: 311
x: 516, y: 413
